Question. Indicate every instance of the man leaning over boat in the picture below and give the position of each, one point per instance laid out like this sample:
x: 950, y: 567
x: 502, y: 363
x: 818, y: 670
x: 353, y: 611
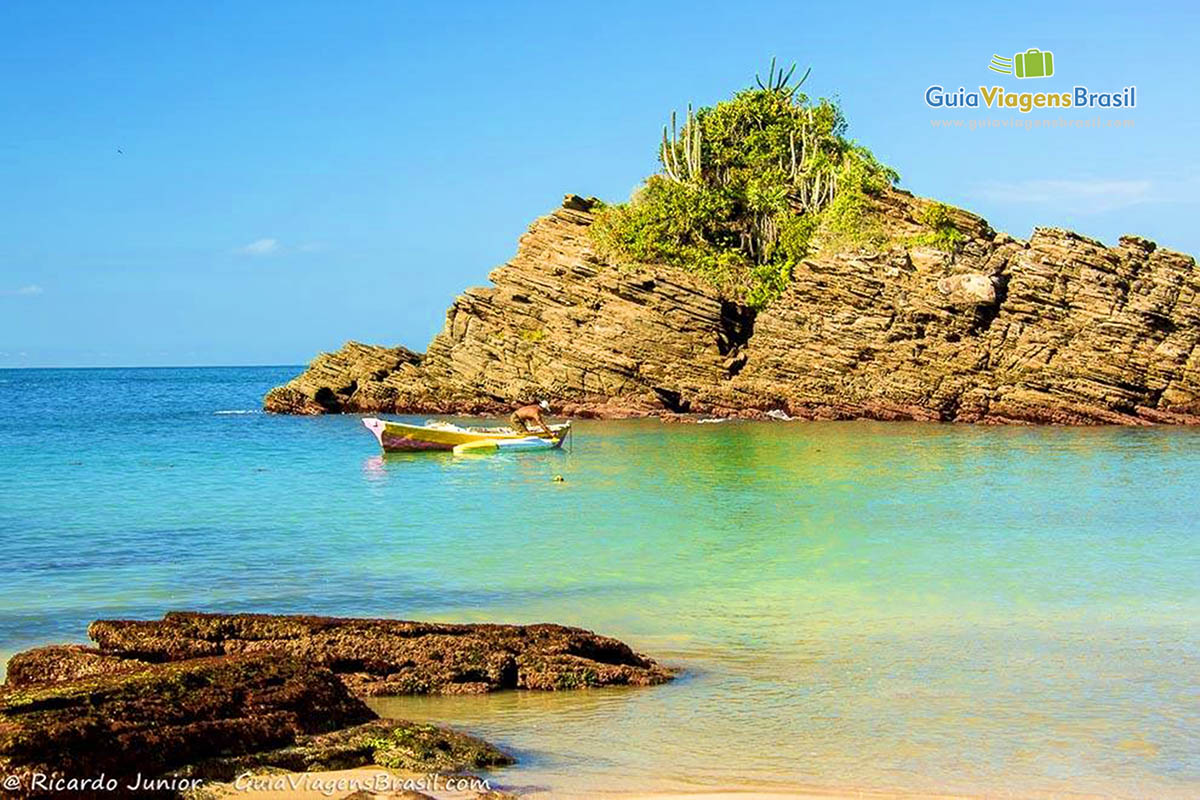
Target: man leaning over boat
x: 529, y: 419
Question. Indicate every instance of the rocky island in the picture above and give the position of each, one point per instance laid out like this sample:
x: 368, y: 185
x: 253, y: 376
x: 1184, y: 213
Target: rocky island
x: 837, y: 296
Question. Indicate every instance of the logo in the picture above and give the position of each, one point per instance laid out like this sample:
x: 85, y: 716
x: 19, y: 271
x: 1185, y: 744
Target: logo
x: 1033, y: 63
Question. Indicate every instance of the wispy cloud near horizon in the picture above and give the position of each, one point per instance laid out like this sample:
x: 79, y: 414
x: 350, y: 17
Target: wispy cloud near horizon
x: 273, y: 247
x: 1078, y: 196
x: 260, y: 247
x: 25, y: 291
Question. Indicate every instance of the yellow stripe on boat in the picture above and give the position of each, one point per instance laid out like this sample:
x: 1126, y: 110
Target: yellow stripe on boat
x: 482, y: 446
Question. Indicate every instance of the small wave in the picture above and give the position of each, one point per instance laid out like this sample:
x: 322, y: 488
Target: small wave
x: 237, y: 411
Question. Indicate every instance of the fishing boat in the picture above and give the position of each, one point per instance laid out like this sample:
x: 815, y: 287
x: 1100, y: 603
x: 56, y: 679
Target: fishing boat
x: 401, y: 437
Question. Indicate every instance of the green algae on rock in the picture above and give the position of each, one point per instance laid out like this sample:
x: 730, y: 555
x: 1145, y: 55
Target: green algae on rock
x: 211, y: 696
x: 389, y: 743
x: 160, y: 717
x: 371, y: 656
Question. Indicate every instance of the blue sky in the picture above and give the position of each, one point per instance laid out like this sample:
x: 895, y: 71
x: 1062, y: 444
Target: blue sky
x: 291, y: 175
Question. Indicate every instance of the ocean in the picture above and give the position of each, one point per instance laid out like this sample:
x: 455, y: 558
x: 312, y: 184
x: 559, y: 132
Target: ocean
x: 909, y: 607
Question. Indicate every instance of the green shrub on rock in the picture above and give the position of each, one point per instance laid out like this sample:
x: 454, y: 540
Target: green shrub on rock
x: 745, y: 186
x: 943, y: 233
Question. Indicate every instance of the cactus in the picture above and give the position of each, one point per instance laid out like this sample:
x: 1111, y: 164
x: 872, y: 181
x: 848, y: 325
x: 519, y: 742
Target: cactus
x: 778, y: 82
x: 690, y: 145
x: 813, y: 184
x: 810, y: 163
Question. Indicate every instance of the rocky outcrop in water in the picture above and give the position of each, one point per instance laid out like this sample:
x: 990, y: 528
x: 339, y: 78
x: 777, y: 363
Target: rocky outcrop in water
x: 1056, y: 329
x: 211, y: 696
x: 356, y: 371
x: 371, y: 656
x: 558, y: 322
x: 159, y: 727
x: 60, y: 663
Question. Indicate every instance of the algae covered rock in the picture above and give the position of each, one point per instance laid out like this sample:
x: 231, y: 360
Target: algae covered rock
x: 65, y: 662
x: 390, y: 743
x: 161, y: 717
x: 162, y: 705
x: 390, y: 657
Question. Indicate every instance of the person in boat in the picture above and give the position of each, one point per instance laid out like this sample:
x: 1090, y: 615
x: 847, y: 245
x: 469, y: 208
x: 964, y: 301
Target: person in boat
x: 528, y: 419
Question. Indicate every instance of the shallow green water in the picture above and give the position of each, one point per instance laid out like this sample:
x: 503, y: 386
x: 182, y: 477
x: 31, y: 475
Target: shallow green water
x: 900, y: 606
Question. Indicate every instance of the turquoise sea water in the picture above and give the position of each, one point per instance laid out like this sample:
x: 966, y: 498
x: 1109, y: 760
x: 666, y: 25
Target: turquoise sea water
x: 1001, y: 611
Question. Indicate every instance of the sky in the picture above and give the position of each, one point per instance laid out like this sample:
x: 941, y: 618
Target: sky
x: 251, y: 183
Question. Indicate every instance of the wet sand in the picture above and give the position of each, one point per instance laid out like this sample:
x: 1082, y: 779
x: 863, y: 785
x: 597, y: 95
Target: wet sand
x: 384, y: 784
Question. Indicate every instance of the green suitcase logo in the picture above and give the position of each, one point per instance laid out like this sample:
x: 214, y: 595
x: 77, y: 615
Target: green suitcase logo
x: 1033, y: 63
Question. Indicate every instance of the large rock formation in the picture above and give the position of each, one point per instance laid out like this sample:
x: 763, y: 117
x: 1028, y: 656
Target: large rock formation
x: 1058, y: 329
x: 559, y: 322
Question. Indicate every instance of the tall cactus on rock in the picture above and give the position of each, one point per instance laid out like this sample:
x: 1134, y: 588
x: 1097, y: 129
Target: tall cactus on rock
x: 680, y: 157
x: 744, y: 188
x: 778, y: 82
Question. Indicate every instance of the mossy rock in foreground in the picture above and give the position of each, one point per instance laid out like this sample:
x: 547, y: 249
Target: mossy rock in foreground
x: 379, y: 657
x: 211, y: 719
x: 161, y: 717
x: 389, y: 743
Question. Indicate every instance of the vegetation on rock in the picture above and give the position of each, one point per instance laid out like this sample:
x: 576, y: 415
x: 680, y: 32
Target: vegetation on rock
x: 416, y: 747
x: 943, y: 233
x: 896, y: 307
x: 744, y: 187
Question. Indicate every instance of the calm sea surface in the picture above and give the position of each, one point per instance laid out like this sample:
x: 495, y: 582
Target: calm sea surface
x: 915, y: 607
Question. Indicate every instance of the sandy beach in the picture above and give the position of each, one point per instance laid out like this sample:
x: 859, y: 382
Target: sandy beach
x: 393, y: 785
x: 381, y: 783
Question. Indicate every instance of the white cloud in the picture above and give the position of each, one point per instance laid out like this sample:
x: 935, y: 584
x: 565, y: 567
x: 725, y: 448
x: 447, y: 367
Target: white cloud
x: 1078, y: 196
x: 25, y: 291
x: 260, y: 247
x: 274, y: 247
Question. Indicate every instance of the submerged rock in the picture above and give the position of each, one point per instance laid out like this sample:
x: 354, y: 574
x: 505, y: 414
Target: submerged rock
x: 1059, y: 329
x: 388, y: 657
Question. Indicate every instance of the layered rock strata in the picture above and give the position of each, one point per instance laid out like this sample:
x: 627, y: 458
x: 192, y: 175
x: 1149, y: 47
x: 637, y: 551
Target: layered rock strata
x: 1056, y: 329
